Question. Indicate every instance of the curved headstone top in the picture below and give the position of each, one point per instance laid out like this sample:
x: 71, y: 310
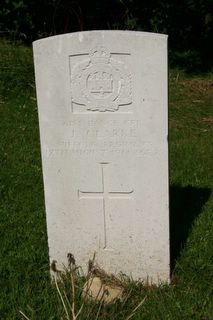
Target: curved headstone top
x: 102, y: 99
x: 81, y: 34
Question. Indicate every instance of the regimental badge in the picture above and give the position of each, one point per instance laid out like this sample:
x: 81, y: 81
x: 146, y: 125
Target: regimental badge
x: 100, y: 82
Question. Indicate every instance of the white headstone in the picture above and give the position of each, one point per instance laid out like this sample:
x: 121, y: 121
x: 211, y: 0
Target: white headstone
x: 102, y: 99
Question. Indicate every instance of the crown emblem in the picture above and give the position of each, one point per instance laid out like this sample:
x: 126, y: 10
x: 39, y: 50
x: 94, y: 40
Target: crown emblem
x: 100, y: 82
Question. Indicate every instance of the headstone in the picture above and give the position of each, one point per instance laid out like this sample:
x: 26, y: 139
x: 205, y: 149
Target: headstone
x: 102, y: 100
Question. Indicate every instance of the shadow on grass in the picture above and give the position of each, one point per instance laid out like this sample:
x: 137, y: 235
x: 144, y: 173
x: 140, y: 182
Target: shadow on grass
x: 185, y: 205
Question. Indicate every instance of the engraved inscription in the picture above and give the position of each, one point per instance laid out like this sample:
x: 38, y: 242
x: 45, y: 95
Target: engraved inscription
x: 105, y: 195
x: 100, y: 83
x: 94, y: 137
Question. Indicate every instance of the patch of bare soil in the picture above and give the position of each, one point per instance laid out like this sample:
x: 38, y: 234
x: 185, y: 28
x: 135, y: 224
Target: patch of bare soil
x: 198, y: 86
x: 208, y: 121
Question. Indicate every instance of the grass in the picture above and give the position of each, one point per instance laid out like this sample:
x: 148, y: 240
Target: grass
x: 24, y: 269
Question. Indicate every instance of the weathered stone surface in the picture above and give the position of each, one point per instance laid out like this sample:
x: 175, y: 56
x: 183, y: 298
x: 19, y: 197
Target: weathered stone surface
x: 102, y: 99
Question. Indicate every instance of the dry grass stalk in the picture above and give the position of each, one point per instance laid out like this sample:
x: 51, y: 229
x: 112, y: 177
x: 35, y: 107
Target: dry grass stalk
x: 23, y: 315
x: 61, y: 297
x: 136, y: 308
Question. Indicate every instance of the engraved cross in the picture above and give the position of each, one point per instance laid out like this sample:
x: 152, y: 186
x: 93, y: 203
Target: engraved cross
x: 105, y: 194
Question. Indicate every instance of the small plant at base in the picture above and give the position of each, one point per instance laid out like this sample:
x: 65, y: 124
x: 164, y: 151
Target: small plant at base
x: 89, y: 297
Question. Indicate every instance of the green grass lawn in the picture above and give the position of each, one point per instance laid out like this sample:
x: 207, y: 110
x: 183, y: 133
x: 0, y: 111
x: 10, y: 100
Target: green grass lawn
x: 24, y: 268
